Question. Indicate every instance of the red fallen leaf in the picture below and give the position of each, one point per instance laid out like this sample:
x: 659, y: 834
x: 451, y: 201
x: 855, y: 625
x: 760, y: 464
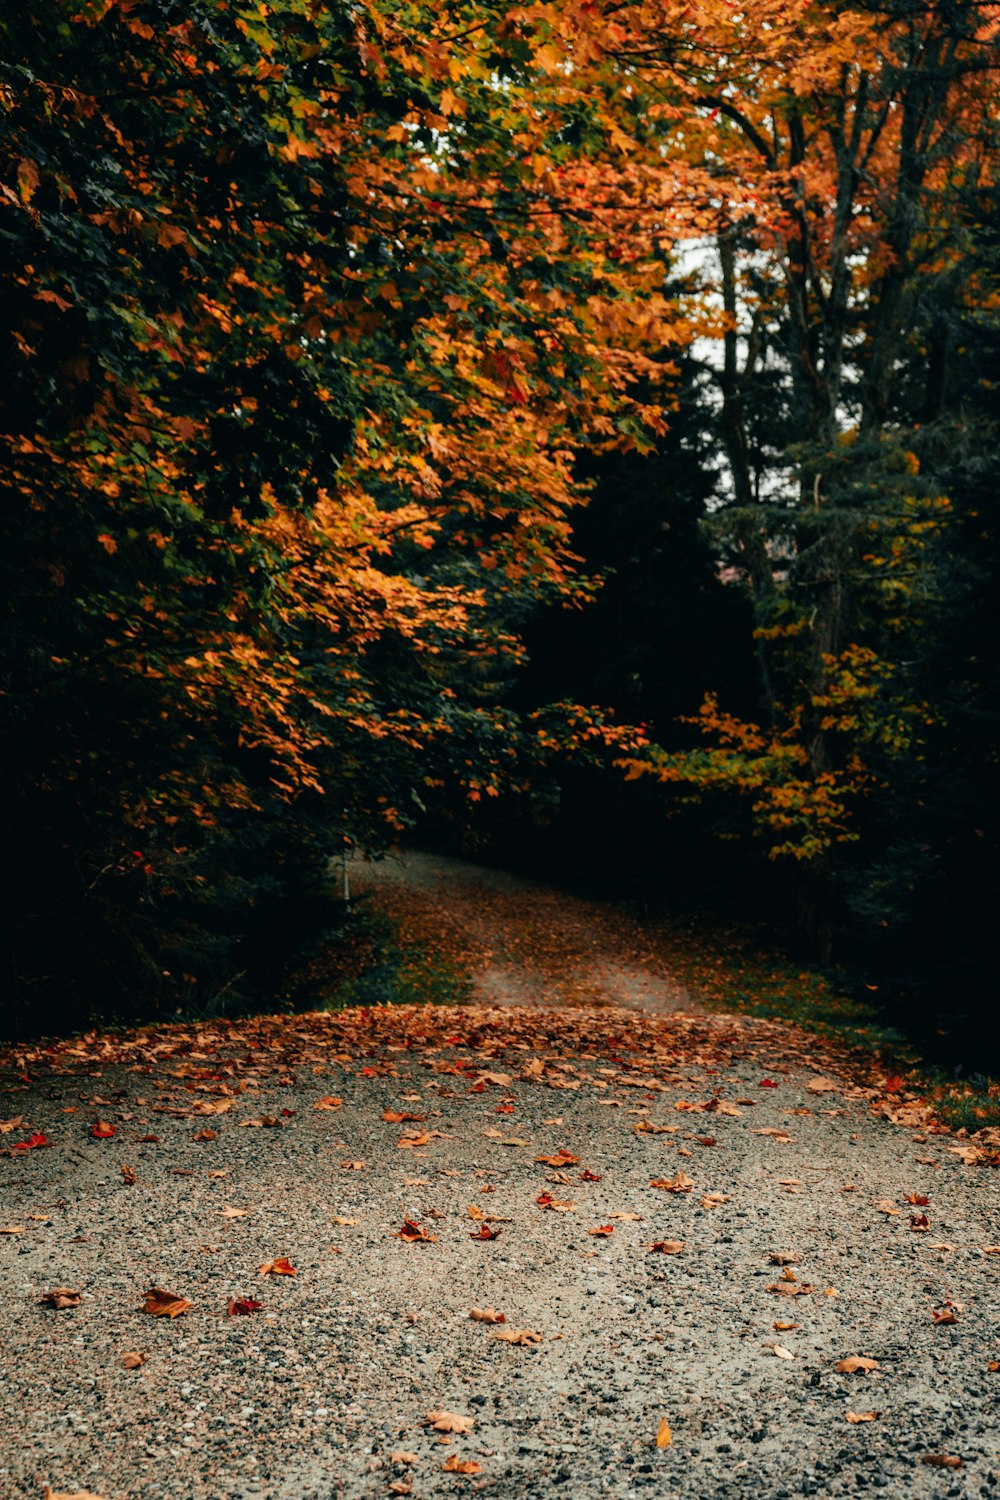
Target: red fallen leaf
x: 484, y: 1232
x: 919, y: 1221
x: 397, y: 1116
x: 917, y: 1199
x: 414, y: 1234
x: 588, y: 1176
x: 945, y: 1314
x: 33, y: 1142
x: 101, y: 1130
x: 767, y: 1083
x: 562, y: 1158
x: 505, y: 1109
x: 893, y: 1084
x: 161, y: 1304
x: 288, y: 1112
x: 280, y: 1267
x: 243, y: 1306
x: 602, y: 1229
x: 455, y: 1465
x: 147, y: 1140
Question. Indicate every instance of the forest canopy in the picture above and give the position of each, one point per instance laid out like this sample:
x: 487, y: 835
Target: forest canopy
x: 413, y: 406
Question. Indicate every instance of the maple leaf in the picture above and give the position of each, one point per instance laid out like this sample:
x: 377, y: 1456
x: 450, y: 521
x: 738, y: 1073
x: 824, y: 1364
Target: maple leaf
x: 280, y: 1267
x: 556, y: 1205
x: 682, y: 1183
x: 414, y: 1234
x: 449, y: 1421
x: 856, y: 1364
x: 767, y: 1083
x: 860, y: 1416
x: 102, y: 1131
x: 588, y: 1176
x: 161, y: 1304
x: 242, y: 1306
x: 455, y: 1465
x: 485, y: 1232
x: 62, y: 1297
x: 562, y: 1158
x: 602, y: 1229
x: 397, y: 1116
x: 666, y: 1247
x: 132, y: 1359
x: 486, y: 1315
x: 34, y: 1142
x: 520, y: 1336
x: 714, y: 1200
x: 945, y: 1314
x: 328, y: 1102
x: 128, y: 1175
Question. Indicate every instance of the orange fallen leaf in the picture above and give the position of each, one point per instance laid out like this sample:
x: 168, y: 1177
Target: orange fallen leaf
x: 403, y: 1458
x: 475, y: 1212
x: 449, y: 1421
x: 328, y: 1102
x: 856, y: 1364
x: 562, y: 1158
x: 791, y: 1288
x: 455, y: 1465
x: 861, y: 1416
x: 161, y: 1304
x: 682, y: 1183
x: 414, y: 1234
x: 352, y: 1166
x: 280, y: 1267
x: 342, y: 1219
x: 782, y: 1258
x: 486, y: 1315
x: 785, y: 1327
x: 128, y: 1174
x: 14, y: 1229
x: 602, y: 1229
x: 484, y: 1232
x: 714, y: 1200
x: 945, y: 1314
x: 666, y: 1247
x: 51, y: 1494
x: 520, y: 1336
x: 62, y: 1297
x: 133, y: 1358
x: 234, y: 1213
x: 941, y: 1460
x: 206, y: 1135
x: 102, y: 1131
x: 664, y: 1437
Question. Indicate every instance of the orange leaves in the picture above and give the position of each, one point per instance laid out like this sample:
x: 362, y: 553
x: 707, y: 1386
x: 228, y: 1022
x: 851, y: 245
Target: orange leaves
x: 133, y: 1359
x: 161, y: 1304
x: 556, y: 1205
x: 664, y: 1437
x: 280, y: 1267
x: 666, y: 1247
x: 521, y: 1336
x: 485, y: 1232
x: 602, y: 1230
x: 680, y: 1183
x: 856, y: 1364
x: 241, y: 1307
x: 101, y: 1130
x: 61, y: 1299
x: 455, y: 1465
x: 412, y: 1234
x: 486, y: 1315
x: 328, y: 1102
x: 449, y: 1421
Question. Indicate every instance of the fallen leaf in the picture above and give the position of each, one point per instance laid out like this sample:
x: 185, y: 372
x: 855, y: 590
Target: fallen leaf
x: 667, y: 1247
x: 62, y: 1297
x: 403, y: 1458
x: 588, y: 1176
x: 918, y: 1199
x: 782, y: 1258
x: 50, y: 1494
x: 941, y: 1461
x: 602, y: 1229
x: 791, y: 1288
x: 234, y: 1213
x: 14, y: 1229
x: 821, y: 1085
x: 558, y: 1205
x: 128, y: 1175
x: 484, y: 1232
x: 562, y: 1158
x: 352, y: 1166
x: 945, y: 1314
x: 885, y: 1207
x: 341, y: 1219
x: 280, y: 1267
x: 520, y: 1336
x: 682, y: 1183
x: 990, y: 1249
x: 241, y: 1307
x: 34, y: 1142
x: 856, y: 1364
x: 486, y: 1315
x: 206, y: 1135
x: 449, y: 1421
x: 133, y: 1359
x: 475, y: 1212
x: 861, y: 1416
x: 328, y: 1102
x: 455, y: 1465
x: 780, y: 1351
x: 767, y: 1083
x: 414, y: 1234
x: 161, y: 1304
x: 664, y: 1437
x: 714, y: 1200
x: 785, y: 1327
x: 102, y: 1131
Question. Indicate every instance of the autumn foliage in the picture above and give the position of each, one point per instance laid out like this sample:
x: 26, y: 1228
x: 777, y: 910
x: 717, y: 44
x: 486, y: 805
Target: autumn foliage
x: 315, y: 317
